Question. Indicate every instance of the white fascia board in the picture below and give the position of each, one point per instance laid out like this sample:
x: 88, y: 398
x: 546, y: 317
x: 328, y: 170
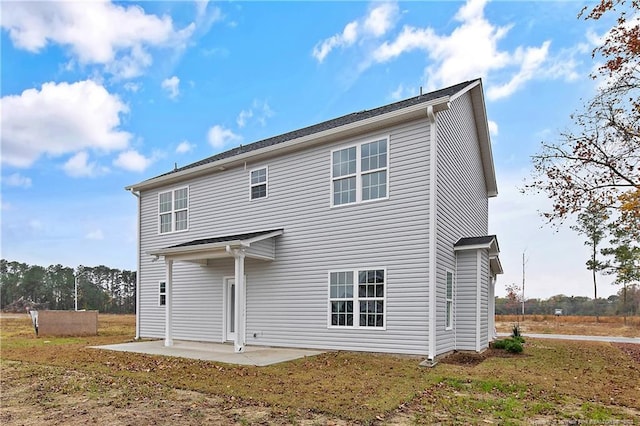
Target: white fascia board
x: 491, y: 246
x: 361, y: 126
x: 495, y: 265
x: 194, y: 248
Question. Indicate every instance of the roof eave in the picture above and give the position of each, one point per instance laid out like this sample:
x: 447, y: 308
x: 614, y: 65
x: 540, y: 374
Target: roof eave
x: 369, y: 124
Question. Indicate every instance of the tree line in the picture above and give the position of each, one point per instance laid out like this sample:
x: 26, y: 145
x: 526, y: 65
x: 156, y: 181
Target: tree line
x: 614, y: 305
x: 100, y: 288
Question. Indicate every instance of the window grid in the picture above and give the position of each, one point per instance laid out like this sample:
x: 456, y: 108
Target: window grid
x: 369, y: 298
x: 449, y: 308
x: 359, y: 173
x: 258, y: 183
x: 173, y: 210
x: 163, y: 294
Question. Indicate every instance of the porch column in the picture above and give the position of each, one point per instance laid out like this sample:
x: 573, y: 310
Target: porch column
x: 492, y: 308
x: 168, y: 314
x: 240, y: 302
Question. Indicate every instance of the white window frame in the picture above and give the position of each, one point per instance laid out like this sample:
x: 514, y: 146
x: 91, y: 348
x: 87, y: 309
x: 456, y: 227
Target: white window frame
x: 173, y: 211
x: 448, y: 306
x: 357, y: 299
x: 265, y: 183
x: 162, y: 293
x: 359, y: 173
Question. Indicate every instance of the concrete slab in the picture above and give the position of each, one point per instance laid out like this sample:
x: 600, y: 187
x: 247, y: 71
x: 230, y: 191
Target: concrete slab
x: 219, y: 352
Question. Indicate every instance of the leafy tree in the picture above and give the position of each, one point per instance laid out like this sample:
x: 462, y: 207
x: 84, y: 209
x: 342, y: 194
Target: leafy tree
x: 599, y: 160
x: 625, y: 260
x: 592, y: 223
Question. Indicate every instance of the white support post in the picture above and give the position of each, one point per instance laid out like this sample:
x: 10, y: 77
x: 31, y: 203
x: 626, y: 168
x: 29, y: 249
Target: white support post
x: 168, y: 339
x: 240, y: 302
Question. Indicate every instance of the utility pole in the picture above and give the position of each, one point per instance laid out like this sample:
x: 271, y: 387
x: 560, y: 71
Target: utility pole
x: 523, y: 263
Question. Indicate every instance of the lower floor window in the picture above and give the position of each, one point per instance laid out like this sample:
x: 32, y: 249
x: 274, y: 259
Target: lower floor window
x: 364, y: 289
x: 163, y: 293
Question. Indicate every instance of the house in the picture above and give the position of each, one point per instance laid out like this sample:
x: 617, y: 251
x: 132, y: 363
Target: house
x: 367, y: 232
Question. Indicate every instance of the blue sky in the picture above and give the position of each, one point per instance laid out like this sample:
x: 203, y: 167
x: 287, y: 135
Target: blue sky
x: 98, y: 95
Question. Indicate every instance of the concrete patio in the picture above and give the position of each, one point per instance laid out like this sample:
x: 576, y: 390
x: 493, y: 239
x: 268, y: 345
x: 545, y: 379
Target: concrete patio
x: 219, y: 352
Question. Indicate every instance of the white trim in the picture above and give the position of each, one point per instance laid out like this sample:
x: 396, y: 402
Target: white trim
x: 448, y: 318
x: 356, y: 299
x: 173, y: 210
x: 265, y: 183
x: 478, y: 296
x: 168, y: 318
x: 225, y: 305
x: 359, y: 173
x: 433, y: 189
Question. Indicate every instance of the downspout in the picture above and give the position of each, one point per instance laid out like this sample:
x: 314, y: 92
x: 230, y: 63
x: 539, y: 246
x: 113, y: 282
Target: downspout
x: 137, y: 195
x: 433, y: 165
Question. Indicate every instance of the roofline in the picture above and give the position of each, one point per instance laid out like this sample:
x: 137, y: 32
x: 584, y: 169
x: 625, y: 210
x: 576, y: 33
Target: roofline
x: 491, y: 245
x: 219, y: 245
x: 368, y: 124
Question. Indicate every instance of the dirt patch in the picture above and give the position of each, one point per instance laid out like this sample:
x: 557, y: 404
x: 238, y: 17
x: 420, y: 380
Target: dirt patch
x: 471, y: 359
x: 631, y: 349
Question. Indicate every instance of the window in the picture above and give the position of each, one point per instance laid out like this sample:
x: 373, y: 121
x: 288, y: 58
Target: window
x: 359, y: 173
x: 163, y: 294
x: 258, y: 183
x: 449, y: 318
x: 368, y: 299
x: 173, y: 208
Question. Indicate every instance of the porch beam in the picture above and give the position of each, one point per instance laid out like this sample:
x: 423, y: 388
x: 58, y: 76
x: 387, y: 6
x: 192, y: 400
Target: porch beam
x: 240, y: 302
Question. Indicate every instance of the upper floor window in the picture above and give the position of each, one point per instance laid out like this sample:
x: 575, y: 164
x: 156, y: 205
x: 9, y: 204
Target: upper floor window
x: 258, y: 183
x: 173, y: 210
x: 359, y: 173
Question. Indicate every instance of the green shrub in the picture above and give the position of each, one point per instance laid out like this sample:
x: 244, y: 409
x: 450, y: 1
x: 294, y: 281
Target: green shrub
x: 514, y: 346
x: 500, y: 344
x: 515, y: 331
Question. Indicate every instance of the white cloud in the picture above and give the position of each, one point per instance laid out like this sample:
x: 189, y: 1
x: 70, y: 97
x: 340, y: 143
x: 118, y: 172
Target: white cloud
x: 493, y: 128
x: 5, y: 206
x: 376, y: 23
x: 132, y: 87
x: 243, y: 117
x: 16, y: 179
x: 96, y: 234
x: 133, y: 161
x: 403, y: 92
x: 472, y: 50
x: 172, y: 86
x: 79, y: 166
x: 184, y: 147
x: 219, y: 136
x: 260, y: 111
x: 60, y: 118
x: 98, y: 32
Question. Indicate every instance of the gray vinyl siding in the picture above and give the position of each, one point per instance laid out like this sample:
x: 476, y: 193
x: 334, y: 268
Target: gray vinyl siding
x: 465, y: 307
x: 484, y: 300
x: 462, y: 207
x: 287, y: 299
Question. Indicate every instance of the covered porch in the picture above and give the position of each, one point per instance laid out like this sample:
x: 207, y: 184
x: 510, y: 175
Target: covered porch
x: 254, y: 245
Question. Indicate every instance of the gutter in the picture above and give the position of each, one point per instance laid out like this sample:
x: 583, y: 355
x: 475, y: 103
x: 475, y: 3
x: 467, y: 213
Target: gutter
x: 433, y: 188
x: 138, y: 261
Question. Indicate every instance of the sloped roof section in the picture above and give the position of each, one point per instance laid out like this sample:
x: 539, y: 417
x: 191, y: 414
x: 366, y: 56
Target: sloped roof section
x: 326, y: 125
x: 476, y: 241
x: 250, y: 236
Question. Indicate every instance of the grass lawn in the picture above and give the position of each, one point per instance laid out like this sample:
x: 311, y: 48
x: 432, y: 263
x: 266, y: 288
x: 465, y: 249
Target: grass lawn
x: 61, y: 381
